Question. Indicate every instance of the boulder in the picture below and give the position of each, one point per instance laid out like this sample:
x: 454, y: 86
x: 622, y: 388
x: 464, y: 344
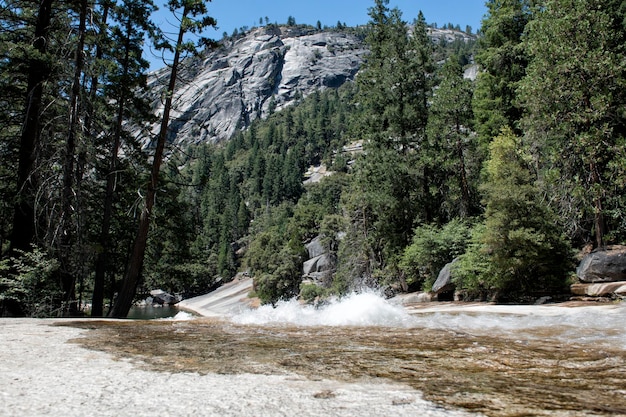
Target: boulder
x: 444, y: 279
x: 315, y: 248
x: 603, y: 265
x: 543, y: 300
x: 321, y: 263
x: 161, y: 297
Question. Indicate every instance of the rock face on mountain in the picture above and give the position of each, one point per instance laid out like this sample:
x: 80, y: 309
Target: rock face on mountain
x: 247, y: 78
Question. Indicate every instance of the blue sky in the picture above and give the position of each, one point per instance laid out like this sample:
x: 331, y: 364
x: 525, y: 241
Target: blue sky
x: 231, y: 14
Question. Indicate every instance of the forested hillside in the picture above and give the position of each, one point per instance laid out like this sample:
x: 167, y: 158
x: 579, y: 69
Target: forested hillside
x: 509, y: 173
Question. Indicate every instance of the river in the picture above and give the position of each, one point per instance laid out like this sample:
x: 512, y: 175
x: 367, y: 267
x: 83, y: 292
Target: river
x: 484, y: 359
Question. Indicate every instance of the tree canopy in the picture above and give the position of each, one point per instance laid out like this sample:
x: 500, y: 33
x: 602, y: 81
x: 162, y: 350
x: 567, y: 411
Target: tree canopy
x: 505, y: 173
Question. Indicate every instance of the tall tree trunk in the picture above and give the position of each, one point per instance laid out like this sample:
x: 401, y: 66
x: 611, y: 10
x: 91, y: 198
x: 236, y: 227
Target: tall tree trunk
x: 465, y: 193
x: 97, y: 300
x: 126, y: 295
x: 598, y: 221
x: 23, y: 232
x: 68, y: 280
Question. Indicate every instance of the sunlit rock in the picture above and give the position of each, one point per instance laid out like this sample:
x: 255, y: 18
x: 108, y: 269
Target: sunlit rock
x: 601, y: 289
x: 444, y: 283
x: 320, y: 264
x: 315, y: 247
x: 250, y: 77
x: 223, y: 90
x: 161, y: 297
x: 415, y: 298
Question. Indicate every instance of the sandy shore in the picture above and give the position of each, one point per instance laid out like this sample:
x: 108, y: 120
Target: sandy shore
x: 42, y: 373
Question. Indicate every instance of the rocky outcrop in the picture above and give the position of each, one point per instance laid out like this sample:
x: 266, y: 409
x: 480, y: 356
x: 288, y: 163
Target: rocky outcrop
x: 248, y: 78
x: 227, y: 299
x: 162, y: 298
x: 603, y: 265
x: 320, y: 263
x: 225, y: 89
x: 448, y: 35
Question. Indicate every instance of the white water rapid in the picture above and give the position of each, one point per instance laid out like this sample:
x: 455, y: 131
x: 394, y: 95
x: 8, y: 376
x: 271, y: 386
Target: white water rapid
x: 364, y: 309
x: 601, y: 324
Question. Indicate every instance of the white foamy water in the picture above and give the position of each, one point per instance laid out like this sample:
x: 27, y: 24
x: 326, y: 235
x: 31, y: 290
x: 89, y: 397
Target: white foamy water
x: 182, y: 316
x: 591, y: 324
x: 364, y: 309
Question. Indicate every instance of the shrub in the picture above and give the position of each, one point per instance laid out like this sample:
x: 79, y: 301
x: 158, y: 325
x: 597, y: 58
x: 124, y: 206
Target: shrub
x: 27, y: 285
x: 276, y: 264
x: 431, y: 249
x: 309, y: 292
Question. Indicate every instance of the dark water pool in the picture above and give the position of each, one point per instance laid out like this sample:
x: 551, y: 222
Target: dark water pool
x: 150, y: 312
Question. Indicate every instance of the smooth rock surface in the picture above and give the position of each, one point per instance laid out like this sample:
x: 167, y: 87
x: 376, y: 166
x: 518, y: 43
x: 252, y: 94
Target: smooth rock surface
x: 600, y: 289
x: 42, y: 373
x: 228, y: 299
x: 414, y: 298
x: 444, y: 279
x: 315, y: 248
x: 249, y: 77
x: 603, y: 265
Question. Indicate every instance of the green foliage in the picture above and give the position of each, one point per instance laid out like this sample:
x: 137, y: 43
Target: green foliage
x: 387, y: 191
x: 431, y: 249
x: 574, y: 97
x: 311, y: 293
x: 503, y: 60
x: 27, y: 285
x: 522, y: 241
x: 451, y: 151
x: 276, y: 262
x: 394, y: 83
x: 472, y: 273
x: 256, y: 180
x: 391, y: 210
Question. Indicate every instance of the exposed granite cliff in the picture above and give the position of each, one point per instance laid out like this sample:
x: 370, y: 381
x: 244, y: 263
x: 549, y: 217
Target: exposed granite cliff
x: 247, y: 78
x: 267, y: 69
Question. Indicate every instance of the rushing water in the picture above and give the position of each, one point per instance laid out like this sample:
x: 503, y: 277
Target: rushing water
x: 596, y: 325
x: 496, y: 360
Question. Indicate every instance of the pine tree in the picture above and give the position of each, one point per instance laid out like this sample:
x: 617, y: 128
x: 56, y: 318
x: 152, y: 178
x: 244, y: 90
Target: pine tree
x: 131, y: 23
x: 67, y: 240
x: 521, y: 247
x: 393, y: 95
x: 393, y: 84
x: 503, y: 60
x: 38, y: 70
x: 451, y: 149
x: 13, y: 68
x: 193, y: 20
x: 574, y: 98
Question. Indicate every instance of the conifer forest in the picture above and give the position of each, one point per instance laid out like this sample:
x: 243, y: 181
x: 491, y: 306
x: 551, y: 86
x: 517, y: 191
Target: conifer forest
x: 510, y: 173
